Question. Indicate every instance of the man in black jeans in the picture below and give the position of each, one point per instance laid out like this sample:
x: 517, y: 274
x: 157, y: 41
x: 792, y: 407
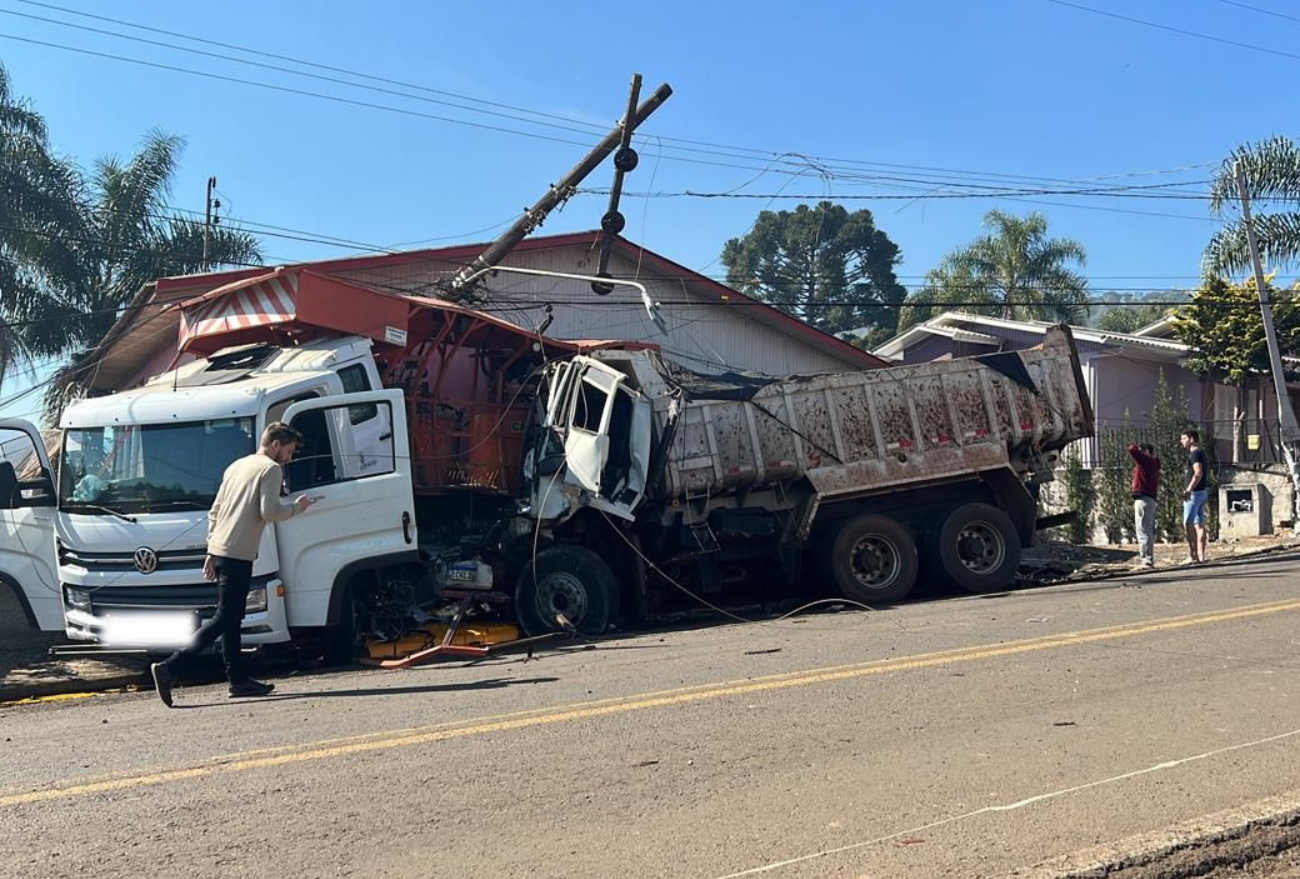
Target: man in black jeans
x: 249, y: 497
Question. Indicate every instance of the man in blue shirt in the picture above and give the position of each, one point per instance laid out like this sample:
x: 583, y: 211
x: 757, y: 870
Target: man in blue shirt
x: 1194, y: 497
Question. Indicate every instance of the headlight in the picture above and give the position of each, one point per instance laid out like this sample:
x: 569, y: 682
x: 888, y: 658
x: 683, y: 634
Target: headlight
x: 78, y: 599
x: 256, y: 602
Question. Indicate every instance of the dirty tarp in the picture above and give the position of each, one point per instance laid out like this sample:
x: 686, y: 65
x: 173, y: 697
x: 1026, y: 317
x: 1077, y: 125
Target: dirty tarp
x: 740, y: 386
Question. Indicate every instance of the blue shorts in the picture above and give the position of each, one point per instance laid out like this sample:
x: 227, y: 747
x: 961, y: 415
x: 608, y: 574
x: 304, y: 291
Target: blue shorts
x: 1194, y: 508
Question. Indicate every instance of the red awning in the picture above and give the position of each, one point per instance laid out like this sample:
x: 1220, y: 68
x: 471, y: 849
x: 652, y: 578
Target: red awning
x: 256, y: 309
x: 257, y: 302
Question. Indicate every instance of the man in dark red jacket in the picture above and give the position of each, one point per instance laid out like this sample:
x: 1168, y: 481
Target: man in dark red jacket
x: 1146, y: 488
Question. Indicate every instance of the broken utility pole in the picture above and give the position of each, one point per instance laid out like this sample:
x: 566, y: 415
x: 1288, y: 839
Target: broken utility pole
x: 612, y: 223
x: 460, y: 287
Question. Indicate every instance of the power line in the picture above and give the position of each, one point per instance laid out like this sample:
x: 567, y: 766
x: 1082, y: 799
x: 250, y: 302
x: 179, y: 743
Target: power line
x: 280, y: 88
x: 1109, y: 209
x: 455, y: 264
x: 1259, y: 9
x: 720, y: 149
x: 306, y: 63
x: 289, y: 70
x: 1139, y: 192
x: 730, y: 148
x: 347, y: 101
x: 1177, y: 30
x: 560, y: 118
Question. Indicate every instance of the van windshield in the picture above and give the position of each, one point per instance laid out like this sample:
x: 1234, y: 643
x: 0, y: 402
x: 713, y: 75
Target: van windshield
x: 139, y: 468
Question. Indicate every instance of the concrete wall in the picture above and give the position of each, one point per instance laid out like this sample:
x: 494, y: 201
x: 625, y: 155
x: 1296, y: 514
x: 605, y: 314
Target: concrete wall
x: 1271, y: 476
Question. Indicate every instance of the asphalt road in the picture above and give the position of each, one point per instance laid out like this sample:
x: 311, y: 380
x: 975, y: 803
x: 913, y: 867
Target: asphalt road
x: 964, y: 737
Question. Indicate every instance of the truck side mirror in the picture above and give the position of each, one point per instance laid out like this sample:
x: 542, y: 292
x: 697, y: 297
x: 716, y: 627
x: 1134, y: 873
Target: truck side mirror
x: 37, y: 493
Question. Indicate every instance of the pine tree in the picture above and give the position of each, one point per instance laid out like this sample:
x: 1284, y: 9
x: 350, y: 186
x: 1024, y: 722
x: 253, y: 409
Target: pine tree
x: 1078, y: 497
x: 1166, y: 425
x: 1111, y: 481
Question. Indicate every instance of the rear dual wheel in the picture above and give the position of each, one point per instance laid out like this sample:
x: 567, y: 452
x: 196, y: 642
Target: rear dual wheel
x: 976, y: 547
x: 871, y: 559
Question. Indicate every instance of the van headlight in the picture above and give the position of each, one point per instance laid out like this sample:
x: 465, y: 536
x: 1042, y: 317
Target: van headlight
x: 78, y: 599
x: 256, y: 602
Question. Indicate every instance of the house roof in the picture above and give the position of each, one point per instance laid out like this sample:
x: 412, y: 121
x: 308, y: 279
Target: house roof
x: 954, y: 322
x: 1160, y: 329
x: 148, y: 323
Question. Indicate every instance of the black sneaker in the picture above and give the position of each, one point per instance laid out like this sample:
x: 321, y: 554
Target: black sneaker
x: 250, y: 689
x: 162, y: 682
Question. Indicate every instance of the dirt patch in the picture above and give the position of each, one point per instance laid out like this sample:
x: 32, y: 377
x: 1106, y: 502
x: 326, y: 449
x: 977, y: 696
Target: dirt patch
x: 1267, y: 850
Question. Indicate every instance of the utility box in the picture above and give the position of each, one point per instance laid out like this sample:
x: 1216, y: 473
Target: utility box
x: 1245, y: 510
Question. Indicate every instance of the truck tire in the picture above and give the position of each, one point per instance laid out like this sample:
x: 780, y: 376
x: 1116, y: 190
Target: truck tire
x: 341, y: 637
x: 871, y: 559
x: 977, y: 548
x: 571, y: 580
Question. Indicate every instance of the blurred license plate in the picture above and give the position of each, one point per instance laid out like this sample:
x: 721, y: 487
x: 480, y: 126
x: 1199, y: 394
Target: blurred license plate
x: 160, y: 629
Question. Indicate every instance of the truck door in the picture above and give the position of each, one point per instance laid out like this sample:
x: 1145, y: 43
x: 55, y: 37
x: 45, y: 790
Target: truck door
x: 607, y: 445
x: 28, y: 564
x: 363, y: 518
x: 371, y: 427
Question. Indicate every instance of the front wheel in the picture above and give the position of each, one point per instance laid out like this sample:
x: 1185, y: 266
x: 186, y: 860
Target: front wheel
x: 978, y: 548
x: 871, y: 558
x: 341, y: 637
x: 568, y: 580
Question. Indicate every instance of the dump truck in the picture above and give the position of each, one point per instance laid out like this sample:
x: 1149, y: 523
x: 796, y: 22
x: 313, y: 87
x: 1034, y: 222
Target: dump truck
x: 648, y: 477
x: 455, y: 455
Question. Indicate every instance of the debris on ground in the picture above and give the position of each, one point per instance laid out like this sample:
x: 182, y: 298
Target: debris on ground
x: 1053, y: 562
x: 1058, y: 562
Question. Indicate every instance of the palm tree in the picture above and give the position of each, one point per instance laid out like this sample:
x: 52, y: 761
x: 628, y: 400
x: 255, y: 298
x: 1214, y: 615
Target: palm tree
x: 1019, y: 269
x: 77, y: 246
x: 124, y: 237
x: 37, y: 198
x: 947, y: 288
x: 1272, y: 172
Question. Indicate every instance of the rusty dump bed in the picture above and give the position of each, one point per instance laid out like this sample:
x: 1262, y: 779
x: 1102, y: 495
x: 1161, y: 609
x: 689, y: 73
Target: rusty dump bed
x: 860, y: 432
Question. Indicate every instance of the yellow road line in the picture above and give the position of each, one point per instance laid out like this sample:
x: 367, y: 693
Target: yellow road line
x: 312, y: 751
x: 56, y: 697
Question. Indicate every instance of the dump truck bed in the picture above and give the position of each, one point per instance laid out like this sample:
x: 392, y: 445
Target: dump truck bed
x: 859, y: 433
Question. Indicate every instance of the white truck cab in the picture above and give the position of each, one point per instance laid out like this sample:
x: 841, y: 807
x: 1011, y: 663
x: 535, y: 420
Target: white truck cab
x: 139, y: 470
x: 27, y: 500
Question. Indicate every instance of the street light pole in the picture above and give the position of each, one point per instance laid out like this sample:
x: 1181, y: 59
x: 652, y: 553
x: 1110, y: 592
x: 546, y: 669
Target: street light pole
x: 1285, y: 413
x: 207, y: 220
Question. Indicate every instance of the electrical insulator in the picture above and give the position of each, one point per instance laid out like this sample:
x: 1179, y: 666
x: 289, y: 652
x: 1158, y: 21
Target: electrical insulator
x: 612, y: 223
x: 625, y: 159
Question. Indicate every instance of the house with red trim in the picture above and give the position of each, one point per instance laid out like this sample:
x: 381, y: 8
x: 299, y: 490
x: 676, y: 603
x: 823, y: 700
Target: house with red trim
x: 709, y: 326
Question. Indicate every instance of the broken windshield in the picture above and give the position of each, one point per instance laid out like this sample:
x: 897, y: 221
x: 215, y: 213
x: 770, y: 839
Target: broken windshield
x: 137, y: 468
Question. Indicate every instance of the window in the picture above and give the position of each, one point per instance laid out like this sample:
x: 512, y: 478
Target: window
x: 135, y: 468
x: 589, y: 407
x: 330, y: 451
x: 355, y: 381
x: 24, y: 482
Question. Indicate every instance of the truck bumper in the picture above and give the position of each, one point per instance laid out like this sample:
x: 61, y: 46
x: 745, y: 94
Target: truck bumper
x: 261, y: 627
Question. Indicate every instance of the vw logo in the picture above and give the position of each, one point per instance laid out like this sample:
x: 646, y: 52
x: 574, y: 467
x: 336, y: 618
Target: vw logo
x: 146, y: 560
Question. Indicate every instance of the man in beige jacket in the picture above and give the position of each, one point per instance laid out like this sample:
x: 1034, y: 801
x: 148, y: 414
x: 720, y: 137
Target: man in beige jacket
x: 248, y: 498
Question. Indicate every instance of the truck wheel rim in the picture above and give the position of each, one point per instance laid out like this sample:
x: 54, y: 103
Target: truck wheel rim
x: 561, y: 593
x: 981, y: 548
x: 876, y: 562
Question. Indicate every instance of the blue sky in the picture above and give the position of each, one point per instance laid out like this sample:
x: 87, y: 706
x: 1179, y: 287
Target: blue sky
x: 1018, y: 87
